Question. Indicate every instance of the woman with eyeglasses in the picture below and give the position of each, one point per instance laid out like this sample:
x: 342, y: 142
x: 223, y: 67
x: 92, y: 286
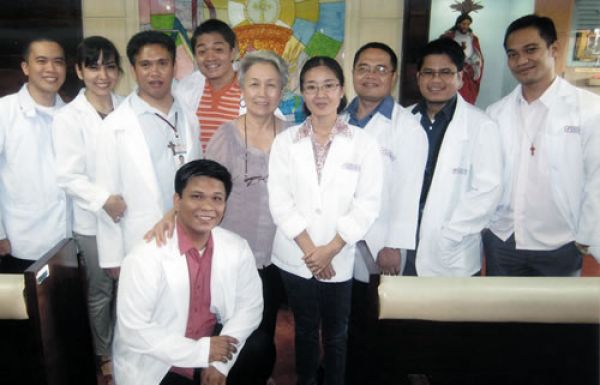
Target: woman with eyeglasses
x: 243, y: 146
x: 325, y: 180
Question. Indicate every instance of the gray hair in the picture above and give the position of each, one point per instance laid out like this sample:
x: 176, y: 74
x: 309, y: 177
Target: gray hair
x: 263, y: 56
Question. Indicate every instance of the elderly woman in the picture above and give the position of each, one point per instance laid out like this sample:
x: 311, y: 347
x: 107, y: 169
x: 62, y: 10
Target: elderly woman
x: 243, y: 146
x: 324, y: 190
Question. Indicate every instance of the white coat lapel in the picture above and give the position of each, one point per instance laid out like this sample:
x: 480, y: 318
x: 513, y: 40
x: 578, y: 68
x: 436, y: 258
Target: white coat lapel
x: 219, y: 303
x: 177, y: 276
x: 306, y: 156
x: 449, y: 163
x: 135, y: 145
x: 563, y: 111
x: 341, y: 148
x: 450, y: 152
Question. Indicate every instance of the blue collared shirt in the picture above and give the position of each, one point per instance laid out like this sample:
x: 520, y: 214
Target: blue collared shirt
x: 385, y: 108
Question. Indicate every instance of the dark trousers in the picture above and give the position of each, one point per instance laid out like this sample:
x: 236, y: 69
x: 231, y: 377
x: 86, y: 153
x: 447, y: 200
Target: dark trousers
x: 250, y: 368
x: 504, y: 259
x: 273, y: 296
x: 410, y: 267
x: 362, y: 332
x: 12, y: 265
x: 326, y: 304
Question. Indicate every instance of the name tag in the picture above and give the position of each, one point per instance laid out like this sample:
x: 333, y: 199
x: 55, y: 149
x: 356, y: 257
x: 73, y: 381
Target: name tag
x: 572, y: 129
x: 460, y: 171
x: 387, y: 153
x: 351, y: 167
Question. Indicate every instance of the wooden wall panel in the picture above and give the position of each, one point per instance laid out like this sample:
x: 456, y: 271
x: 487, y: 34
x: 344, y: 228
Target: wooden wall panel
x: 561, y: 12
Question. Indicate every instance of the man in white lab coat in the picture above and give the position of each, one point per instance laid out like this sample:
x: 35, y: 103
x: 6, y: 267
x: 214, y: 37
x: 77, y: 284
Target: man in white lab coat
x: 33, y: 209
x: 447, y: 182
x: 373, y: 109
x: 140, y: 146
x: 171, y: 298
x: 549, y: 211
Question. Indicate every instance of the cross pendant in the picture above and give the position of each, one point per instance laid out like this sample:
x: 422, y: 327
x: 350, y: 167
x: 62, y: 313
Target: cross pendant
x: 532, y: 149
x: 171, y: 145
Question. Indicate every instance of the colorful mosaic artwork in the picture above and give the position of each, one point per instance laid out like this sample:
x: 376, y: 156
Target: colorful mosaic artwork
x: 295, y: 29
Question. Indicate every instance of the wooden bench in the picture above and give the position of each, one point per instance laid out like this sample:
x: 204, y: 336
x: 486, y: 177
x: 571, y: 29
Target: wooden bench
x: 489, y: 330
x: 44, y: 327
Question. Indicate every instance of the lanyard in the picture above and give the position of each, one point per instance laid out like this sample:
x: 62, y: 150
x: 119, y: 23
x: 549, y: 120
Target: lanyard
x: 173, y: 126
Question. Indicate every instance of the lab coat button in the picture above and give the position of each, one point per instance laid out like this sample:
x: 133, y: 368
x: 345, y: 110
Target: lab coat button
x: 318, y: 211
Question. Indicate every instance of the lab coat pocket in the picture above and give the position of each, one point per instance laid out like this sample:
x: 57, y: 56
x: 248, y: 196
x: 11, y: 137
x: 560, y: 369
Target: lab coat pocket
x: 449, y: 250
x: 455, y: 253
x: 347, y: 176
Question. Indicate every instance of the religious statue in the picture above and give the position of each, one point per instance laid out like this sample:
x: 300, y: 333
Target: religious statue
x: 462, y: 33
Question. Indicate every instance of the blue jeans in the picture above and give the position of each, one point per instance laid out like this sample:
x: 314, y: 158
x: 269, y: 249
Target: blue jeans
x: 326, y: 304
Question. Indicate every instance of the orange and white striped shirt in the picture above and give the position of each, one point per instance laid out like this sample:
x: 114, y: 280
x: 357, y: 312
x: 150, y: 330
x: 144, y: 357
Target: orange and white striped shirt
x: 216, y: 108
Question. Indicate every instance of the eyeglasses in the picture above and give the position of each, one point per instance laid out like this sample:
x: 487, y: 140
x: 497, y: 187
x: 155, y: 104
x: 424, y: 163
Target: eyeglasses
x: 313, y: 89
x: 445, y: 74
x: 379, y: 69
x: 250, y: 180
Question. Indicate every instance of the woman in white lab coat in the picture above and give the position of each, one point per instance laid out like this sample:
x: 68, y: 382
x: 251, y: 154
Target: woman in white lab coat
x: 324, y: 193
x: 74, y: 134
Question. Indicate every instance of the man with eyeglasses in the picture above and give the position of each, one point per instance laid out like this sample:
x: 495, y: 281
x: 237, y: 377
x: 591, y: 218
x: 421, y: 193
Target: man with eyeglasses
x: 447, y: 183
x: 373, y: 109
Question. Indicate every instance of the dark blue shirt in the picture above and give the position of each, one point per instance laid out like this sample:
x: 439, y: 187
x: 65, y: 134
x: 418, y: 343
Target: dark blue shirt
x: 435, y: 135
x: 385, y: 108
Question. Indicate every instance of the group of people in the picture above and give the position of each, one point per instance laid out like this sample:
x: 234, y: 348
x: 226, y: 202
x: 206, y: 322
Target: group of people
x: 240, y: 209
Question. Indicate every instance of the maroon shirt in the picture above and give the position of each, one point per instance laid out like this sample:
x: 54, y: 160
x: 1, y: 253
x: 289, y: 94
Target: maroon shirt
x: 201, y: 322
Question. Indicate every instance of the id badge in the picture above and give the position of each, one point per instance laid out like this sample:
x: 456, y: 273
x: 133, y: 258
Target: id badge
x: 179, y: 149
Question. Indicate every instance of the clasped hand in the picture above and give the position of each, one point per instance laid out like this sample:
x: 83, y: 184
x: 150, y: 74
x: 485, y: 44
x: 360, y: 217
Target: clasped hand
x: 319, y: 260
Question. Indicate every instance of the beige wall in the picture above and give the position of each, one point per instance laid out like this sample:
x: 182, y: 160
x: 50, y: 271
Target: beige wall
x: 117, y: 20
x: 366, y: 20
x: 371, y: 20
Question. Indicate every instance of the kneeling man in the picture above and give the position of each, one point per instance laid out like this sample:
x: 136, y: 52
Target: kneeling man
x: 171, y: 298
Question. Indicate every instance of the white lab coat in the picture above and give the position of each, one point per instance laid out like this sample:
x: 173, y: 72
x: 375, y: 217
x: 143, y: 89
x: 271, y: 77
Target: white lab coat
x: 386, y: 132
x: 124, y: 167
x: 572, y: 142
x: 346, y: 201
x: 463, y: 194
x: 74, y: 132
x: 33, y: 209
x: 154, y: 299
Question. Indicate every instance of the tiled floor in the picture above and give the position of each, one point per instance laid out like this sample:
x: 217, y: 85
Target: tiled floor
x: 283, y: 374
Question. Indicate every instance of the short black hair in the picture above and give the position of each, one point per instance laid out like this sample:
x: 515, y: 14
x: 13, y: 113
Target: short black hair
x: 202, y: 167
x: 377, y: 45
x: 443, y: 46
x: 334, y: 66
x: 90, y: 49
x: 144, y: 38
x: 544, y: 25
x: 39, y: 39
x: 214, y: 26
